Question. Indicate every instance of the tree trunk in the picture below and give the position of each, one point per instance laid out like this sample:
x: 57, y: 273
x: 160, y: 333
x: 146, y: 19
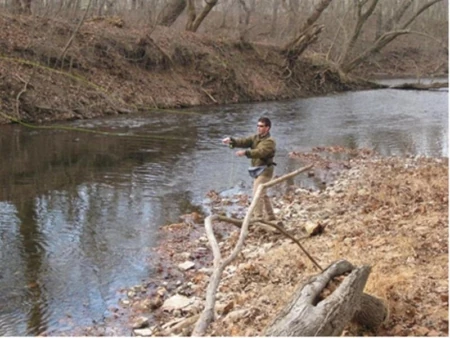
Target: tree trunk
x: 349, y: 64
x: 244, y: 19
x: 171, y: 11
x: 307, y: 315
x: 394, y: 20
x: 379, y: 23
x: 194, y: 21
x: 307, y: 35
x: 362, y: 18
x: 274, y: 21
x: 191, y: 14
x: 26, y: 5
x: 315, y: 15
x: 295, y: 48
x: 16, y: 7
x: 294, y: 6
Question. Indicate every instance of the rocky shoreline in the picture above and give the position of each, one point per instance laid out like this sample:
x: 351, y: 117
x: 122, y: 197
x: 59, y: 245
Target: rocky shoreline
x: 390, y: 213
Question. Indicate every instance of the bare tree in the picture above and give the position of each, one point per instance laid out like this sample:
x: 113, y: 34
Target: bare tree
x: 274, y: 22
x: 348, y: 63
x: 244, y: 18
x: 22, y: 6
x: 247, y: 12
x: 26, y: 5
x: 171, y: 11
x: 194, y: 21
x: 361, y: 19
x: 308, y: 33
x: 293, y: 8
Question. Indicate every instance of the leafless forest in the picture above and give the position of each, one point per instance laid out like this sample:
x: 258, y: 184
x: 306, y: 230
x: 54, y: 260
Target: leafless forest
x: 345, y: 32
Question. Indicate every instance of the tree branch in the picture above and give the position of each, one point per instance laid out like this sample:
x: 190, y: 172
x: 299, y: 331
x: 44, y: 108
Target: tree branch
x: 420, y: 11
x: 199, y: 19
x: 69, y: 43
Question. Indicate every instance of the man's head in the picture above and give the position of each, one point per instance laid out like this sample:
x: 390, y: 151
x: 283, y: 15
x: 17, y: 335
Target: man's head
x: 263, y: 126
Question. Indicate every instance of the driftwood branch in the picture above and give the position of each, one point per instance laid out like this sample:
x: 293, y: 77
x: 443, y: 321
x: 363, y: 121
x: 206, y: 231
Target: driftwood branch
x: 238, y: 223
x: 307, y: 315
x: 24, y: 89
x: 207, y: 316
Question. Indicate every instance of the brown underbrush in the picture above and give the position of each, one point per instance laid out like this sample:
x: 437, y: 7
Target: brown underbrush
x: 50, y: 71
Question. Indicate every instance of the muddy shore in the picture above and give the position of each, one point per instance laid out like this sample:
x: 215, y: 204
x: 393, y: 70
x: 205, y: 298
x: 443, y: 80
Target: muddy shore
x: 390, y: 213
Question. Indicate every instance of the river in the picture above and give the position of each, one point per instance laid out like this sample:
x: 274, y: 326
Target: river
x: 79, y: 211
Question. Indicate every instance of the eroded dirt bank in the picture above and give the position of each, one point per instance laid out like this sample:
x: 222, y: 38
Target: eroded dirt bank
x: 390, y: 213
x: 112, y: 69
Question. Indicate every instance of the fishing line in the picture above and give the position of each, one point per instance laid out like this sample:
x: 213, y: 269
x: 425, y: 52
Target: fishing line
x: 91, y: 131
x: 233, y: 162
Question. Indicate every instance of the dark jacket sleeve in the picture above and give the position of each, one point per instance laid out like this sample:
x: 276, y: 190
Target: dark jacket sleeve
x: 245, y: 142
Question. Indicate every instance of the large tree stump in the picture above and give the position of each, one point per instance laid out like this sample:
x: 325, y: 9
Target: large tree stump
x: 307, y: 315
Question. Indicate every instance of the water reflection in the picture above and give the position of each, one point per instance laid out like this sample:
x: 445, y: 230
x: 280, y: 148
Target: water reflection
x: 78, y: 212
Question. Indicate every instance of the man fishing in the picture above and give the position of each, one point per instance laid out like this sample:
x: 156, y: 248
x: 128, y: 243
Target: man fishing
x: 261, y: 150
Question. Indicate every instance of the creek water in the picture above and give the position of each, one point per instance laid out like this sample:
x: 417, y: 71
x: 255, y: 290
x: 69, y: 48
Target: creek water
x: 79, y: 211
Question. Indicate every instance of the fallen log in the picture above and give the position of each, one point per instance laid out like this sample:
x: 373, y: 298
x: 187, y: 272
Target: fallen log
x: 421, y: 86
x: 307, y: 315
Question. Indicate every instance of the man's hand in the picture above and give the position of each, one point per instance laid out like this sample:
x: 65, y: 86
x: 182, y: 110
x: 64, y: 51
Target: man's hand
x: 240, y: 153
x: 226, y: 140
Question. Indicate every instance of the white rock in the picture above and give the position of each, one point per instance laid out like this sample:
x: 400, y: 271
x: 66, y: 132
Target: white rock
x: 230, y: 269
x: 140, y: 322
x: 363, y: 192
x: 236, y: 315
x: 143, y: 332
x: 185, y: 255
x: 267, y: 246
x: 177, y: 302
x: 161, y: 291
x: 206, y: 271
x: 186, y: 265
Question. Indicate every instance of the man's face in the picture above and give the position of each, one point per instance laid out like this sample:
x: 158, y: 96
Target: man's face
x: 262, y: 129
